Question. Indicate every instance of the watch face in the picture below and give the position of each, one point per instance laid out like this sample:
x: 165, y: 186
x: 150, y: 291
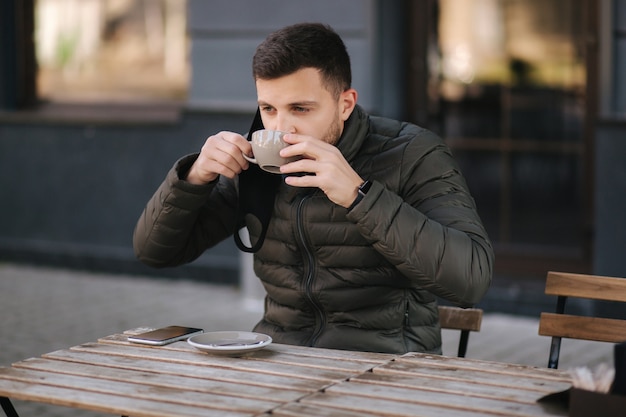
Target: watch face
x: 365, y: 187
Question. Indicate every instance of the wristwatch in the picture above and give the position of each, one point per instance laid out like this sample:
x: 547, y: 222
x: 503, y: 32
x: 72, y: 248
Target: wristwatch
x: 360, y: 193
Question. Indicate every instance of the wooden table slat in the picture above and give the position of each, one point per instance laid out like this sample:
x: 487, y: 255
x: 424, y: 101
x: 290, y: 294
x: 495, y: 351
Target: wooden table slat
x: 306, y: 410
x: 181, y: 381
x: 204, y: 372
x: 121, y: 389
x: 459, y: 387
x: 444, y: 400
x: 484, y: 366
x: 287, y: 354
x: 106, y: 403
x: 474, y: 376
x: 291, y: 350
x: 382, y: 407
x: 342, y: 355
x: 334, y: 373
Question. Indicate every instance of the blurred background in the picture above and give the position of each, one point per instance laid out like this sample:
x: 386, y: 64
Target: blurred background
x: 98, y: 98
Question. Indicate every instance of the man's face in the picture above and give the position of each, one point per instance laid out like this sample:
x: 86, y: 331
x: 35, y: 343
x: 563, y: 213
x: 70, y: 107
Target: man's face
x: 299, y: 103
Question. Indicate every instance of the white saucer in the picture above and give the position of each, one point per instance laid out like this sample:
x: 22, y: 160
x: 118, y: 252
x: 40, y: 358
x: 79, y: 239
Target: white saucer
x: 229, y: 342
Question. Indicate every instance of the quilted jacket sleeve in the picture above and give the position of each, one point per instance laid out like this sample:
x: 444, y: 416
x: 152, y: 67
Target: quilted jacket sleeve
x: 182, y: 220
x: 430, y: 230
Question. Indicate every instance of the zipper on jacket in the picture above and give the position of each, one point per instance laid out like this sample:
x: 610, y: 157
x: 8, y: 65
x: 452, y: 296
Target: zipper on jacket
x: 310, y: 275
x: 407, y: 322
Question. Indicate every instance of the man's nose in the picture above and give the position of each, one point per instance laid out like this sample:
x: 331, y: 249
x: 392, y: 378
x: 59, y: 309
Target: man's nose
x: 284, y: 123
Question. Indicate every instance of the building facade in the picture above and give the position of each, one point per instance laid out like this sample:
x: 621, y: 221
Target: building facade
x: 534, y: 110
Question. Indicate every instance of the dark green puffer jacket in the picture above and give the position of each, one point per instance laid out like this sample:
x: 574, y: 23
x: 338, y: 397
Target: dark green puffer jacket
x: 359, y: 280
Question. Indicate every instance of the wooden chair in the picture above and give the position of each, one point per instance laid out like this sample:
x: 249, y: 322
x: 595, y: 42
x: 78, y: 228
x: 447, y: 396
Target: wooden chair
x: 559, y: 324
x: 463, y: 319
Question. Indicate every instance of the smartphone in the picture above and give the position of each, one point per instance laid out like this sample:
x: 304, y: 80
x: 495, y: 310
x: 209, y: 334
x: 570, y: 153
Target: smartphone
x: 165, y: 335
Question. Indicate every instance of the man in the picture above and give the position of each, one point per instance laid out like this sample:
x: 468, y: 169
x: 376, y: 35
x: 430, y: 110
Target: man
x: 358, y: 248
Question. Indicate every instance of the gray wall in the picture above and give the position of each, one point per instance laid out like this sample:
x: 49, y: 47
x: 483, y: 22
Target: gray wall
x: 610, y: 145
x: 224, y: 39
x: 71, y: 193
x: 610, y: 200
x: 619, y: 53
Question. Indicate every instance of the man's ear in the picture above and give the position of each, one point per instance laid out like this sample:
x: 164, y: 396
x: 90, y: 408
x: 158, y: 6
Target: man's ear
x: 347, y: 101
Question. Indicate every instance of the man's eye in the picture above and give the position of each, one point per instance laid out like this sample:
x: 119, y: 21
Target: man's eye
x: 267, y: 109
x: 301, y: 109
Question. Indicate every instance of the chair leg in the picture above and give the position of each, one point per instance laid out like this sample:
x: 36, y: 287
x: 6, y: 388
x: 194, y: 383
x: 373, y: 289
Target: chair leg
x: 555, y: 350
x: 463, y: 343
x: 8, y: 408
x: 555, y: 345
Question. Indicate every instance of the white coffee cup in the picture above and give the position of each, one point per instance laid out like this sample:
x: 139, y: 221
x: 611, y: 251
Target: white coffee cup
x: 266, y: 146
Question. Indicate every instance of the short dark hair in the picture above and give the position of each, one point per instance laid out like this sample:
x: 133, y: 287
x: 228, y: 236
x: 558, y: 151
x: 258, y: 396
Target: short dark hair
x: 304, y: 45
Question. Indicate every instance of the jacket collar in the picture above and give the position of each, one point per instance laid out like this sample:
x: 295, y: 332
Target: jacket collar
x: 354, y: 133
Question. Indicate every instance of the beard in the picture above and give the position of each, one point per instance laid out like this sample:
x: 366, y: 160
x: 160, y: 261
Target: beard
x: 333, y: 133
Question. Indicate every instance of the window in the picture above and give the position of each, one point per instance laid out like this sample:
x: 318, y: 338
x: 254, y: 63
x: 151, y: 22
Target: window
x: 509, y: 96
x: 111, y: 50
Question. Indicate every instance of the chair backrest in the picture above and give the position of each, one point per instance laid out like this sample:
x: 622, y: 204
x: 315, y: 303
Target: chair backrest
x: 463, y: 319
x: 560, y: 325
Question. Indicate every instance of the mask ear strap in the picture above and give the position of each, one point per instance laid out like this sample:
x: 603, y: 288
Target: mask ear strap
x: 257, y: 191
x: 257, y: 124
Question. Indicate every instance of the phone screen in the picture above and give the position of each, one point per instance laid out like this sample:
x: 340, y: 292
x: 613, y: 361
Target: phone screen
x: 165, y: 335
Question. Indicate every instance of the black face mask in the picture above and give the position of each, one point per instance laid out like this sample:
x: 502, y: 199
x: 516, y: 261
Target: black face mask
x: 257, y: 191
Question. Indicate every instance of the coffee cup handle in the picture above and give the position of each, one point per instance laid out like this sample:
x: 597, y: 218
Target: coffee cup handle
x: 250, y: 159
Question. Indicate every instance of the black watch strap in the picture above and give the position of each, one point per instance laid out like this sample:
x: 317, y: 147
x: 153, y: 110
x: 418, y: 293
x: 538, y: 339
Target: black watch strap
x: 360, y: 193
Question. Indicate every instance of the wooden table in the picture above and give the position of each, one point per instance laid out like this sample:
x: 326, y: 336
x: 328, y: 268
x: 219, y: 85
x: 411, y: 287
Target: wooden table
x: 117, y: 377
